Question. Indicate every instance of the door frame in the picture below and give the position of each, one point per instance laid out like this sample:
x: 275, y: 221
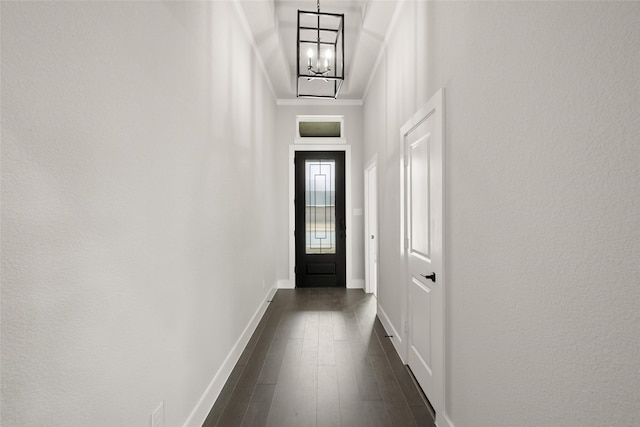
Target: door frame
x: 373, y: 163
x: 339, y: 144
x: 436, y: 106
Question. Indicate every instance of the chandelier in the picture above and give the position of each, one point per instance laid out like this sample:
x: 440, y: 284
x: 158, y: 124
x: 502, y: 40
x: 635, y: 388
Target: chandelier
x: 320, y: 54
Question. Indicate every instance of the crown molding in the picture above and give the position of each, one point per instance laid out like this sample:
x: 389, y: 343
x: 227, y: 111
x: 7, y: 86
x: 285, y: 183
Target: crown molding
x: 308, y: 101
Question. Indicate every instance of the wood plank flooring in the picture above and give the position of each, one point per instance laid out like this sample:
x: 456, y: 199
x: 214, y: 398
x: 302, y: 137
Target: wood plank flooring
x: 319, y: 358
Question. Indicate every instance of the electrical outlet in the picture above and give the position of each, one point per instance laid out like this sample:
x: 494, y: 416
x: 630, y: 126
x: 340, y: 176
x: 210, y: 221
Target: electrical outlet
x: 157, y: 418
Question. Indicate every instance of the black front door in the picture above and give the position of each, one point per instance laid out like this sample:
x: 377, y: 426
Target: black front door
x: 320, y: 219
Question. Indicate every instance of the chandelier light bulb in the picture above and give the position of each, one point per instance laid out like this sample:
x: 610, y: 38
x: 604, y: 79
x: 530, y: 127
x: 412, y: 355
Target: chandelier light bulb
x: 309, y: 56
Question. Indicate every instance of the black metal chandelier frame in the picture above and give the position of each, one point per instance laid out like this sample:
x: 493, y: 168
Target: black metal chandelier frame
x: 332, y: 75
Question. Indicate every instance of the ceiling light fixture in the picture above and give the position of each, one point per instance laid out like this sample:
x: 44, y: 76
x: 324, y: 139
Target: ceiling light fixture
x: 320, y: 73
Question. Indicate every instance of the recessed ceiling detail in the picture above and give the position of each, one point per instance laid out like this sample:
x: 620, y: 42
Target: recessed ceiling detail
x: 273, y: 24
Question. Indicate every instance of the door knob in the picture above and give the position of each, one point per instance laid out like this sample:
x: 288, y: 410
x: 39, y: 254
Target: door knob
x: 432, y: 276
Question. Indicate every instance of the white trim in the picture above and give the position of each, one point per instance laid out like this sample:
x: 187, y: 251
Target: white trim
x: 307, y: 101
x: 292, y: 212
x: 208, y: 398
x: 442, y: 420
x: 320, y: 118
x: 373, y: 162
x: 319, y: 141
x: 383, y: 48
x: 355, y: 284
x: 285, y: 284
x: 396, y: 338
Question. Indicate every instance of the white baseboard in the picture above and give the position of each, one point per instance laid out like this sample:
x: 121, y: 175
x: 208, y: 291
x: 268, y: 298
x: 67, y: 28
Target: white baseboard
x: 204, y: 405
x: 355, y: 284
x: 396, y: 339
x: 285, y: 284
x: 443, y: 421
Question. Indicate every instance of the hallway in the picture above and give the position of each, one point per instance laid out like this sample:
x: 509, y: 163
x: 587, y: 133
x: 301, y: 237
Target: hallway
x: 148, y: 202
x: 319, y: 358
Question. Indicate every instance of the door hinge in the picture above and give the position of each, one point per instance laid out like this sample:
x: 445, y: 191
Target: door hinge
x: 406, y: 243
x: 406, y: 327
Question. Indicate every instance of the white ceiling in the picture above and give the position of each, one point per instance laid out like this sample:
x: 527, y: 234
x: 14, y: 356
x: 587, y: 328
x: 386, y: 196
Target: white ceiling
x: 273, y: 25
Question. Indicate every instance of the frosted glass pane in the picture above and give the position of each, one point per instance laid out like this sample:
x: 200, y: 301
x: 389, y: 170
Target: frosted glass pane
x: 319, y: 129
x: 420, y: 196
x: 320, y: 206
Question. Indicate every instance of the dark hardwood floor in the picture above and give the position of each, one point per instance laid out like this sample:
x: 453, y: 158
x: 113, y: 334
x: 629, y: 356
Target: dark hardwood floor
x: 319, y: 357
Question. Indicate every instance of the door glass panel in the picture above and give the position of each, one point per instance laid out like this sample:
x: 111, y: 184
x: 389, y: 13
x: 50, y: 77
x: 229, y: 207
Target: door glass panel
x: 319, y: 129
x: 419, y: 193
x: 320, y: 206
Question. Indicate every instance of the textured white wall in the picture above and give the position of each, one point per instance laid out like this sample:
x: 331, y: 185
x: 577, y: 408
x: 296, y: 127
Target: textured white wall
x: 137, y: 174
x: 542, y: 202
x: 285, y: 134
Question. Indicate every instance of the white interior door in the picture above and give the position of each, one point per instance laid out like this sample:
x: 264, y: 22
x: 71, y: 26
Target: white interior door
x: 371, y: 232
x: 422, y: 139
